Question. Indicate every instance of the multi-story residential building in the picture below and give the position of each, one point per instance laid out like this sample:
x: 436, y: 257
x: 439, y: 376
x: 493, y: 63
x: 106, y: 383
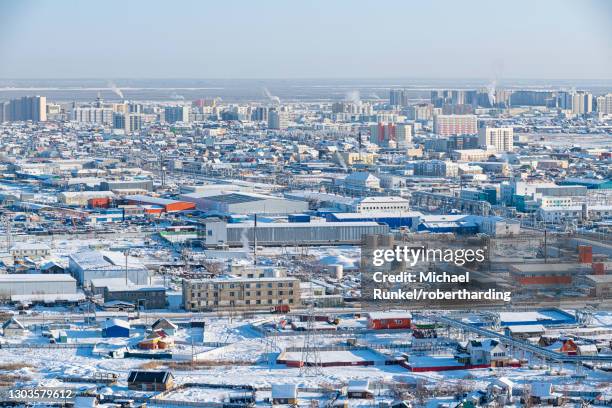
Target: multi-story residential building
x: 398, y: 97
x: 32, y: 108
x: 173, y: 114
x: 246, y: 293
x: 501, y: 138
x: 420, y: 112
x: 604, y: 104
x: 582, y: 103
x: 93, y: 114
x: 133, y: 122
x: 446, y: 125
x: 436, y: 168
x: 395, y: 135
x: 473, y: 154
x: 277, y: 120
x: 444, y: 97
x: 260, y: 114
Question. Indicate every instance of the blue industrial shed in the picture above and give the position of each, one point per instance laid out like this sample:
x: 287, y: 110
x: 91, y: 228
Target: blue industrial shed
x: 394, y: 220
x: 545, y: 317
x: 116, y: 328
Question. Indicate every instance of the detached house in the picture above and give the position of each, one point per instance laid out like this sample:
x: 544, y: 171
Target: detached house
x: 487, y: 352
x: 166, y: 325
x: 150, y: 380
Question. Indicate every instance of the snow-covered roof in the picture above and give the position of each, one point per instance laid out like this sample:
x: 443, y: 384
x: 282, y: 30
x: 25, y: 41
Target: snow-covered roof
x: 358, y: 386
x: 284, y: 391
x: 384, y: 199
x: 527, y: 328
x: 36, y: 277
x: 13, y: 323
x: 541, y: 389
x: 391, y: 314
x: 90, y: 259
x: 116, y: 322
x: 28, y: 246
x: 485, y: 344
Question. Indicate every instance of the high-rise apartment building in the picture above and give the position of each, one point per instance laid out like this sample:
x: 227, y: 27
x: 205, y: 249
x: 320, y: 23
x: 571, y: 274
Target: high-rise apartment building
x: 173, y: 114
x: 582, y: 103
x: 446, y: 125
x: 398, y: 97
x: 604, y: 104
x: 394, y: 135
x: 32, y: 108
x: 442, y: 97
x: 129, y: 122
x: 260, y: 114
x: 501, y: 138
x: 420, y: 112
x: 277, y: 119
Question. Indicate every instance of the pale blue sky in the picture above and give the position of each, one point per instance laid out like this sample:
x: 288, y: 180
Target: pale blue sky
x: 550, y: 39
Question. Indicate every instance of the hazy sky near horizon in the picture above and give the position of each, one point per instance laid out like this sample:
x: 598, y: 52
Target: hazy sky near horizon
x: 547, y: 39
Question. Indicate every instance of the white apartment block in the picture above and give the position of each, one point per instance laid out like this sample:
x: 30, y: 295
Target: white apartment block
x: 500, y: 138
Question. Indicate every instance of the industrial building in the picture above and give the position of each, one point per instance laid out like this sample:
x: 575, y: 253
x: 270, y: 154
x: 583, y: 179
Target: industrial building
x: 127, y: 185
x: 87, y: 264
x: 144, y: 296
x: 396, y: 219
x: 80, y: 198
x: 591, y: 184
x: 457, y: 224
x: 296, y: 233
x: 584, y: 211
x: 495, y: 226
x: 234, y: 202
x: 601, y: 284
x: 361, y: 181
x: 545, y: 274
x: 36, y: 284
x: 380, y: 204
x: 29, y: 250
x: 250, y: 293
x: 165, y: 204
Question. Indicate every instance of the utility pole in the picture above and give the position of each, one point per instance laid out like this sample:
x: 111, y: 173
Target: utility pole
x: 126, y: 267
x: 311, y: 360
x: 545, y: 245
x: 255, y: 241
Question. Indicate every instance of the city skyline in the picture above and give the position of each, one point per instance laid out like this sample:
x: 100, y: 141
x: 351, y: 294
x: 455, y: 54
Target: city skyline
x: 552, y: 40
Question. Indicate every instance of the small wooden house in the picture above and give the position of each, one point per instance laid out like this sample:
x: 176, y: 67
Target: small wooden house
x: 359, y: 389
x: 156, y: 340
x: 150, y: 380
